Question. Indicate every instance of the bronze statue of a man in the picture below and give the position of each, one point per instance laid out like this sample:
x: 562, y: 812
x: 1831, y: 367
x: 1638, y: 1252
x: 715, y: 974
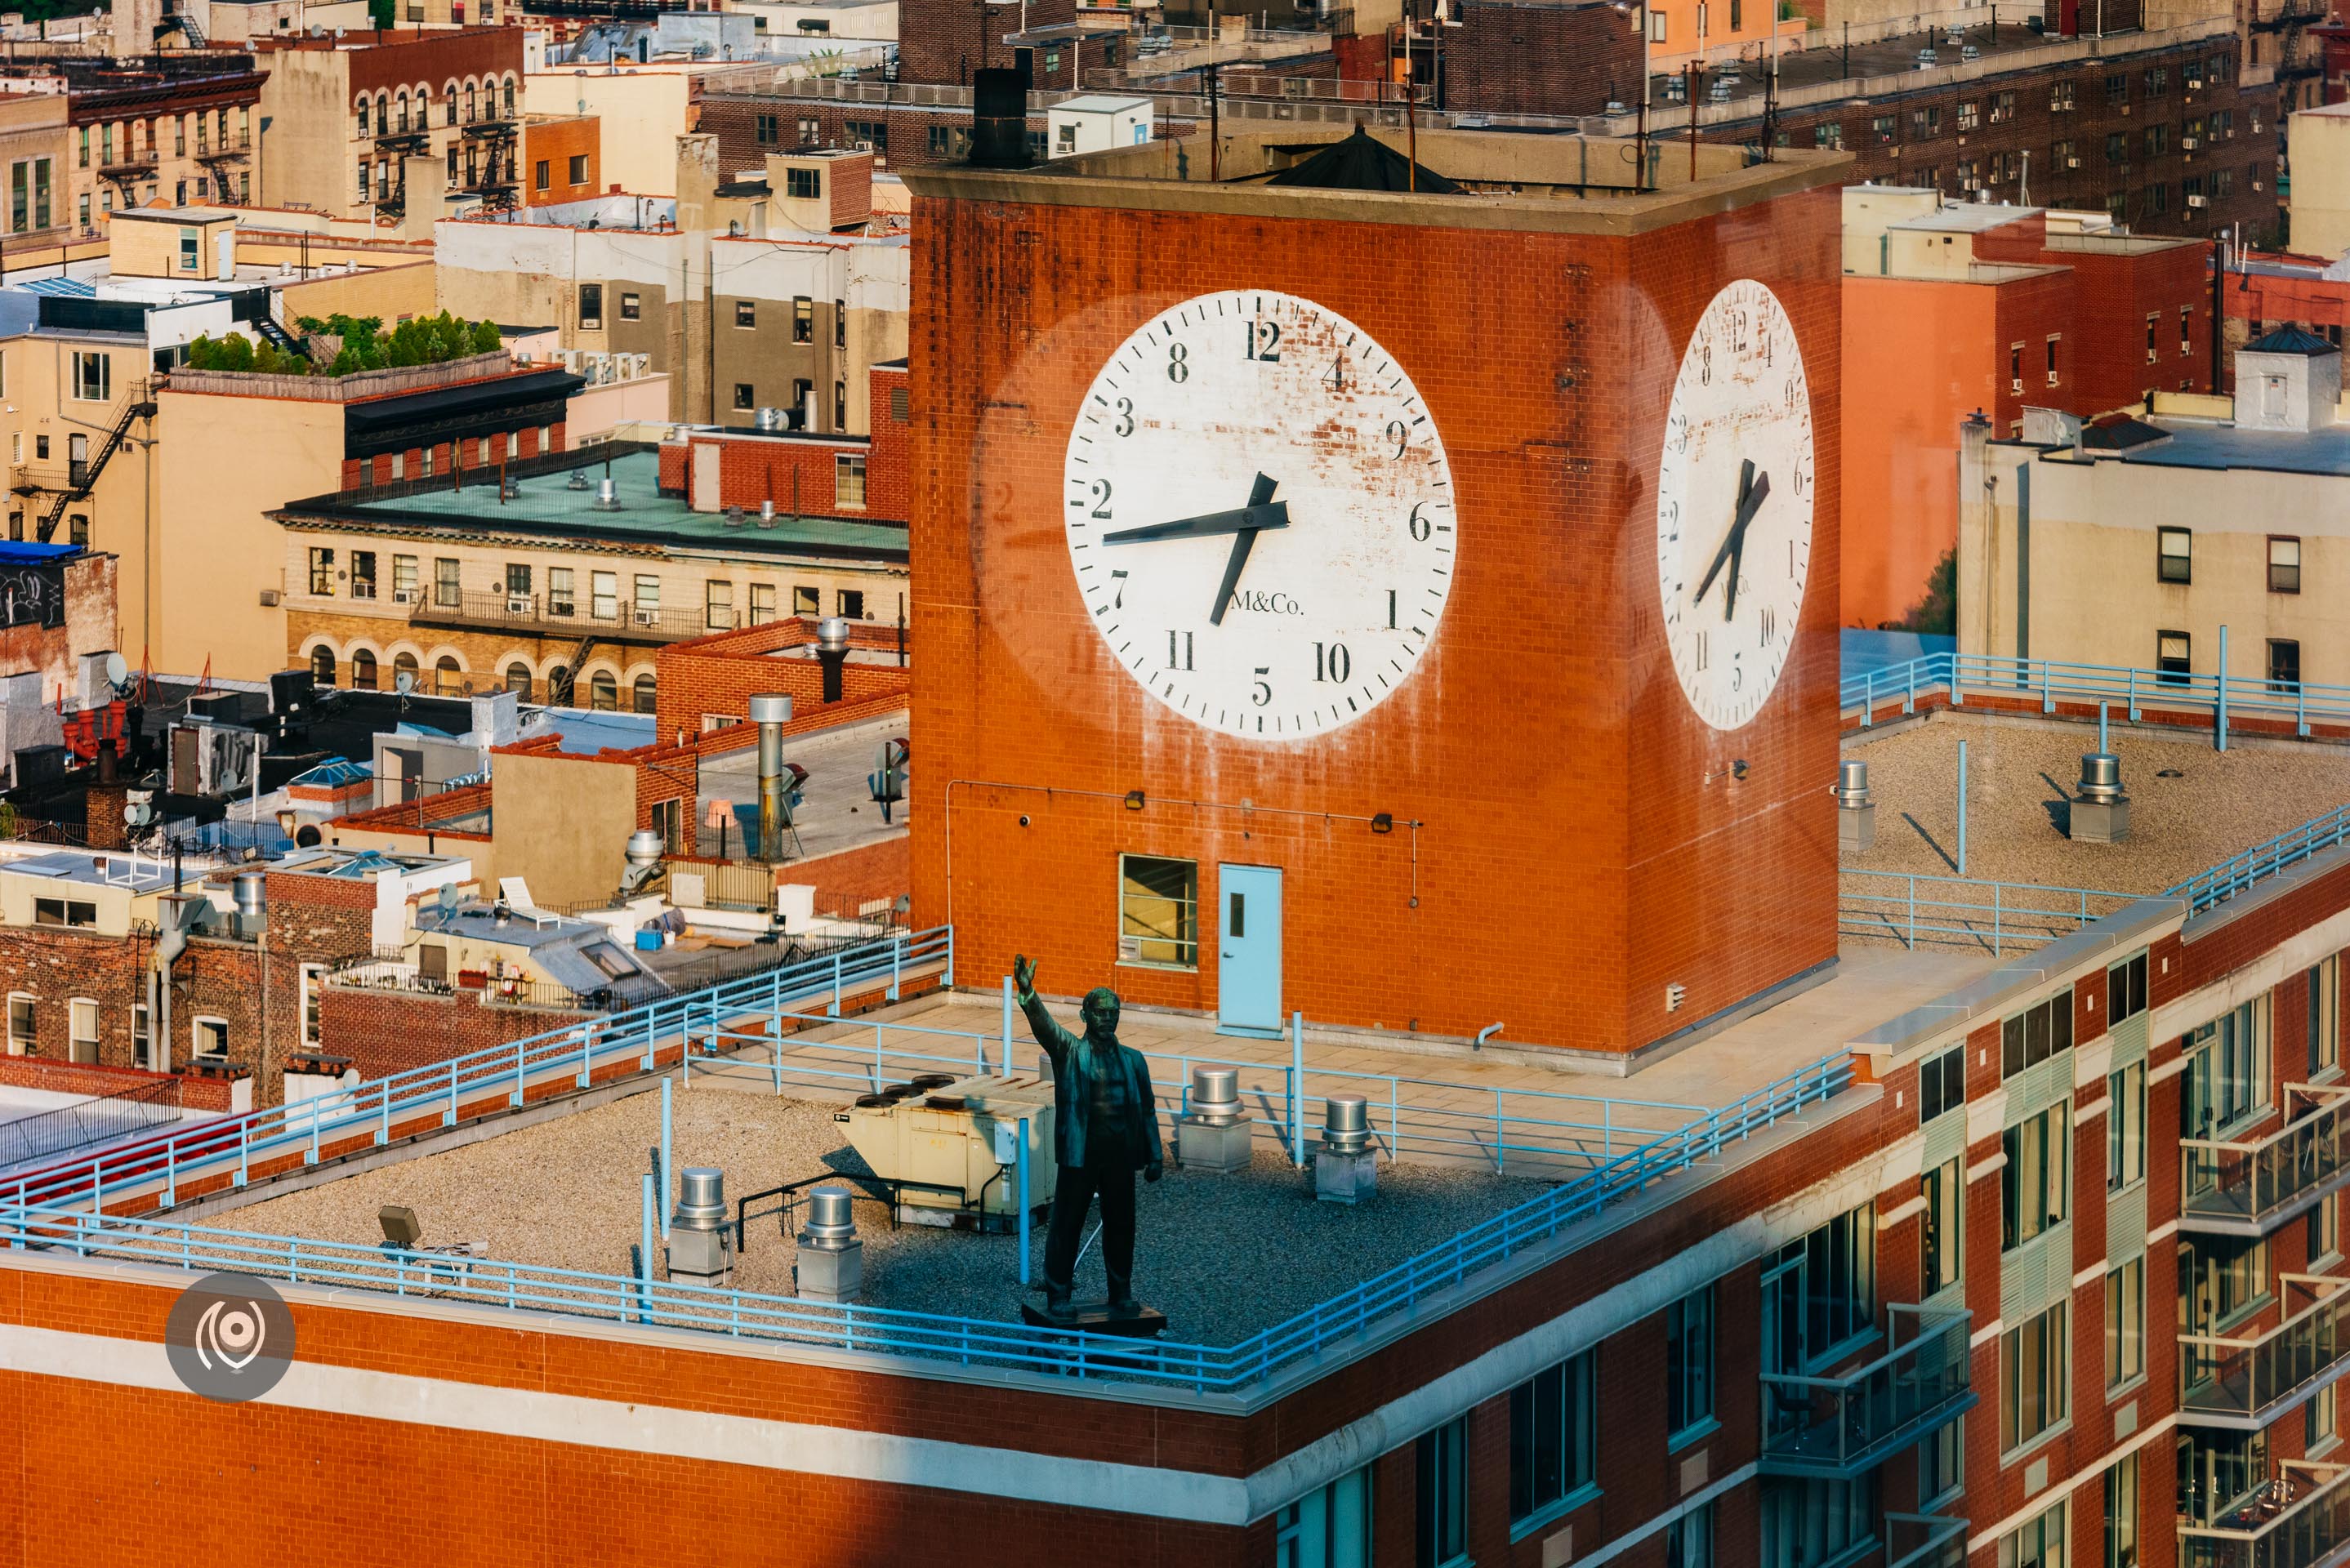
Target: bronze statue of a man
x: 1105, y: 1128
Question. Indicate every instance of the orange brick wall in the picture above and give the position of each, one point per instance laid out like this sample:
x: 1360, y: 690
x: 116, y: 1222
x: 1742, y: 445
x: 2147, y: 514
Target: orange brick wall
x: 1573, y: 858
x: 556, y: 142
x: 721, y: 674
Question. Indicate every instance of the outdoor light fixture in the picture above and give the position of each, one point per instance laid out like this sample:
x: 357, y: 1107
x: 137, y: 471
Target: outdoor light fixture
x: 1134, y: 800
x: 1383, y: 822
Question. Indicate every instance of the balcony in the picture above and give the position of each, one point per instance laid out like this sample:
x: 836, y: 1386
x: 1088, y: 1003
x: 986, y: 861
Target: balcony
x: 128, y: 164
x: 2300, y: 1520
x: 1842, y: 1427
x: 1920, y: 1541
x: 420, y: 140
x: 607, y: 620
x: 2243, y: 1383
x: 2251, y: 1188
x: 228, y: 149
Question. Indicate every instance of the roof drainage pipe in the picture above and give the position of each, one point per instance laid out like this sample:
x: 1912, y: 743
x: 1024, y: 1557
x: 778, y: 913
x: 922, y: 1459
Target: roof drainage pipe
x: 170, y: 943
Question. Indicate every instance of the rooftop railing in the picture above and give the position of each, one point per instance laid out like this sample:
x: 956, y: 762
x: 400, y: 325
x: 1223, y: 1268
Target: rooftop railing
x: 2051, y: 684
x: 564, y: 617
x: 65, y: 1206
x: 2242, y: 1384
x: 2300, y: 1520
x: 2209, y: 889
x: 1964, y: 911
x: 1842, y: 1425
x: 2245, y: 1188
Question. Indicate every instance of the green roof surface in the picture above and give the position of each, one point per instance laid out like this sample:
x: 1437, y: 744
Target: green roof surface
x: 547, y: 504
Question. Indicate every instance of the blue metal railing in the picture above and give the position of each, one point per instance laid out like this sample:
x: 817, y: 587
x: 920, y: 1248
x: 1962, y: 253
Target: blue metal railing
x: 234, y: 1143
x: 1965, y: 910
x: 1953, y: 676
x: 38, y: 1220
x: 2238, y: 872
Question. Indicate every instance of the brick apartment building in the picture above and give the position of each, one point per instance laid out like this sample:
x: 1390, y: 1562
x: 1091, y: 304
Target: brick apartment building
x: 178, y: 128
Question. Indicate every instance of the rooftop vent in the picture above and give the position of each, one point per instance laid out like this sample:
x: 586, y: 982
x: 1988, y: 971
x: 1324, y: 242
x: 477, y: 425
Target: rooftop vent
x: 608, y: 496
x: 766, y: 514
x: 1855, y: 807
x: 832, y: 1255
x: 772, y: 419
x: 2100, y: 809
x: 701, y: 1243
x: 578, y: 480
x: 733, y: 517
x: 1213, y: 1134
x: 1346, y: 1167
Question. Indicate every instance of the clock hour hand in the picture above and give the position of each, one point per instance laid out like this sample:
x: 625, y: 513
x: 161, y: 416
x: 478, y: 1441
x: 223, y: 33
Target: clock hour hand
x: 1260, y: 499
x: 1751, y: 491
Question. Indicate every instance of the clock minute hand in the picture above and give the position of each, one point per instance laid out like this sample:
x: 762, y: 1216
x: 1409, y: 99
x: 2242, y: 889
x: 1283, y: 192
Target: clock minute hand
x: 1260, y: 499
x: 1242, y: 519
x: 1746, y: 510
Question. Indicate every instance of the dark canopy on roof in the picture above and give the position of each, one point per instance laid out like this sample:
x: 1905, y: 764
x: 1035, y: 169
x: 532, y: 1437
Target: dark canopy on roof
x: 2290, y: 339
x: 1362, y: 162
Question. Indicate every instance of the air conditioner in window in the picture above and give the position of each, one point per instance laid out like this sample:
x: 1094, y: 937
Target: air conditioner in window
x: 647, y: 616
x: 403, y: 595
x: 2072, y: 163
x: 2198, y: 201
x: 269, y: 598
x: 2051, y: 378
x: 2015, y: 385
x: 2189, y: 143
x: 2256, y: 185
x: 517, y: 603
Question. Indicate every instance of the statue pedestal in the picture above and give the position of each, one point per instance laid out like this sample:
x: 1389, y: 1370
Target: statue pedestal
x: 1206, y: 1145
x: 1345, y: 1177
x: 1094, y: 1318
x: 835, y: 1275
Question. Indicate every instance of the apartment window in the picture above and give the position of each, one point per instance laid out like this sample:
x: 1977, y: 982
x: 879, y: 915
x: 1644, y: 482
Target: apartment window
x: 603, y: 692
x: 2157, y: 139
x: 2016, y: 366
x: 93, y: 377
x: 1443, y: 1494
x: 849, y: 604
x: 2060, y: 98
x: 363, y: 670
x: 1814, y: 1524
x: 763, y: 603
x: 322, y: 665
x: 1942, y: 1263
x: 1941, y: 1082
x: 2036, y: 1179
x: 82, y: 155
x: 848, y: 481
x: 81, y: 1030
x: 66, y: 912
x: 811, y: 132
x: 646, y: 694
x: 1689, y: 1540
x: 2187, y: 313
x: 1831, y: 1274
x: 1689, y: 1360
x: 365, y: 168
x: 803, y: 320
x: 518, y: 679
x: 448, y: 680
x: 1553, y: 1432
x: 1159, y: 911
x: 744, y: 395
x: 362, y: 574
x: 841, y: 324
x: 604, y: 588
x: 22, y: 1041
x: 646, y: 594
x: 807, y: 600
x: 2158, y: 81
x: 840, y: 405
x: 2317, y: 1420
x: 1969, y: 115
x: 78, y: 528
x: 1327, y: 1528
x: 746, y: 313
x: 2040, y: 1543
x: 542, y: 176
x: 2325, y: 1013
x: 2284, y: 664
x: 322, y: 572
x: 2171, y: 657
x: 143, y: 1043
x: 1941, y: 1464
x: 2116, y: 147
x: 1881, y: 127
x: 444, y: 583
x: 2223, y: 1279
x: 2121, y: 1514
x: 2157, y: 200
x: 2032, y: 1383
x: 209, y: 1037
x: 578, y: 168
x: 2284, y: 563
x: 1925, y: 124
x: 592, y: 306
x: 403, y: 580
x: 2174, y: 560
x: 2040, y: 1032
x: 718, y: 606
x: 804, y: 184
x: 559, y: 591
x: 404, y: 667
x: 2321, y: 1232
x: 1829, y: 134
x: 2126, y: 1126
x: 2125, y: 1322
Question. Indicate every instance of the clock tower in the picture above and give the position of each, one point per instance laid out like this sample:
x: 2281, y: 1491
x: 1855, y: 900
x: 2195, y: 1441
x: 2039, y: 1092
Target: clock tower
x: 1399, y: 594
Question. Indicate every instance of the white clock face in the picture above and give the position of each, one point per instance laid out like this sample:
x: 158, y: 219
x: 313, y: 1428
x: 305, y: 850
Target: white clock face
x: 1259, y: 515
x: 1734, y: 504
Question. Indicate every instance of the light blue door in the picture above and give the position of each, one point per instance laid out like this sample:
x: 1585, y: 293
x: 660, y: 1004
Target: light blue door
x: 1249, y: 930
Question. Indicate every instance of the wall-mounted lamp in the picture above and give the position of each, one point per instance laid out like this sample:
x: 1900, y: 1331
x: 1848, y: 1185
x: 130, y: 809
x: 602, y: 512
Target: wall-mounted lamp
x: 1135, y: 800
x: 1383, y: 822
x: 1738, y: 769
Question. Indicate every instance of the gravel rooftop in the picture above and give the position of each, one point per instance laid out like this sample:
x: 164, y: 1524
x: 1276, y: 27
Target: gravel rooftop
x: 2019, y: 776
x: 1222, y: 1256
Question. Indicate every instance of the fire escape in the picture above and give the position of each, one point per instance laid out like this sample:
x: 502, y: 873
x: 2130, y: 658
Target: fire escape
x: 81, y: 475
x: 232, y: 152
x: 492, y: 156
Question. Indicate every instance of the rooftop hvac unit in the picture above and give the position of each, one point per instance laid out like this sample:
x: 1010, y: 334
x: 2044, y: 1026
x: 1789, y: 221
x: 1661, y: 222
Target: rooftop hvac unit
x: 595, y: 367
x: 569, y: 359
x: 956, y: 1145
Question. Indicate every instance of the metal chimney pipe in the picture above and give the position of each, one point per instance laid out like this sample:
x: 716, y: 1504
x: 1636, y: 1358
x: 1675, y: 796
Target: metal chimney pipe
x: 771, y: 712
x: 832, y: 652
x: 1345, y: 1123
x: 829, y: 1226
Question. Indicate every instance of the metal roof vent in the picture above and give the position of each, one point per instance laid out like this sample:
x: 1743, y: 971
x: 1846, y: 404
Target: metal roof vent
x: 608, y: 496
x: 578, y: 480
x: 733, y: 517
x: 832, y: 1255
x: 1346, y: 1167
x: 1212, y: 1133
x: 1855, y: 807
x: 2100, y: 809
x: 768, y: 419
x: 766, y: 514
x: 701, y: 1243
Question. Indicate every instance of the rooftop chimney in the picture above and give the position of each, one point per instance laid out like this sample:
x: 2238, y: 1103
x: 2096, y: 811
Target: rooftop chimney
x: 999, y: 123
x: 1346, y: 1167
x: 771, y: 712
x: 1855, y: 807
x: 831, y: 1265
x: 832, y: 652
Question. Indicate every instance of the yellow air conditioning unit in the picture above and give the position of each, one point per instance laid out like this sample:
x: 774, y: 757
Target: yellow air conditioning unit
x: 954, y: 1145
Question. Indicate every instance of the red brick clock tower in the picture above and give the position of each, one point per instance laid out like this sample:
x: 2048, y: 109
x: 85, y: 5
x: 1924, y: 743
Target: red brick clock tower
x: 1410, y: 606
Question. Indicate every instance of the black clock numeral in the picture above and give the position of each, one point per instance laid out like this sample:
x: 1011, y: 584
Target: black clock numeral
x: 1125, y: 425
x: 1336, y: 379
x: 1400, y: 433
x: 1263, y: 342
x: 1179, y: 650
x: 1770, y: 626
x: 1420, y: 526
x: 1118, y: 578
x: 1332, y: 662
x: 1178, y: 366
x: 1101, y: 499
x: 1262, y: 692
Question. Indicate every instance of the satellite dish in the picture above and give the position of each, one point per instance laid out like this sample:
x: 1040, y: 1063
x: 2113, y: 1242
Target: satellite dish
x: 403, y: 682
x: 118, y: 669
